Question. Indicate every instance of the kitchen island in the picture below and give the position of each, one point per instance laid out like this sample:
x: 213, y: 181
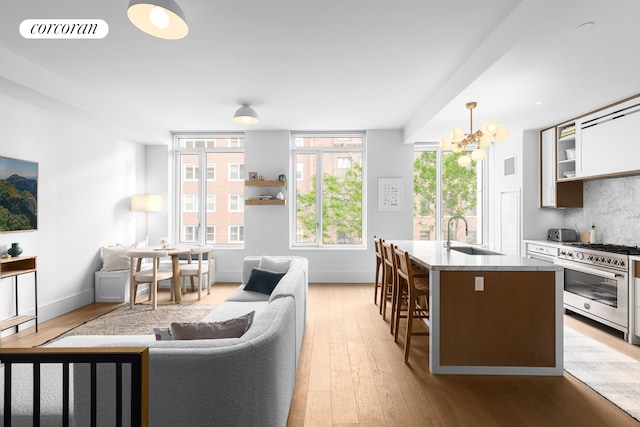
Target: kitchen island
x: 491, y: 314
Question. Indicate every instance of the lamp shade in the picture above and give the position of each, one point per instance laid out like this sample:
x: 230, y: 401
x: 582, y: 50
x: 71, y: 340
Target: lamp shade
x: 246, y: 115
x: 147, y: 203
x: 160, y: 18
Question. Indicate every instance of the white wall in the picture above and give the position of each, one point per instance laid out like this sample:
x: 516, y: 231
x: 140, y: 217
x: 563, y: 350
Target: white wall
x: 267, y: 227
x: 532, y: 221
x: 85, y: 178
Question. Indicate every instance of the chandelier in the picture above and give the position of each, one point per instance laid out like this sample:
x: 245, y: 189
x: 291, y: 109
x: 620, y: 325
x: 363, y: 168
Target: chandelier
x: 482, y: 138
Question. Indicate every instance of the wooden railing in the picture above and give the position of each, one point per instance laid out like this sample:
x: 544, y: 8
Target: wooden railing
x: 137, y: 357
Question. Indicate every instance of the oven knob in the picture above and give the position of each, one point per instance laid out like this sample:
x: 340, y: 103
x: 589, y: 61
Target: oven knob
x: 587, y: 306
x: 569, y: 254
x: 579, y: 255
x: 563, y: 252
x: 622, y: 264
x: 590, y: 257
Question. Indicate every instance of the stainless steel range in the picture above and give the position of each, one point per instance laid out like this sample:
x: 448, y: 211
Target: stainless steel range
x: 596, y: 282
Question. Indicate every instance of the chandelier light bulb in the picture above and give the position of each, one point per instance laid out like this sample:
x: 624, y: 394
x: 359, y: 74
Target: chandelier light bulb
x: 159, y: 17
x: 464, y: 161
x: 457, y: 147
x: 457, y: 135
x: 478, y: 155
x: 445, y: 143
x: 490, y: 127
x: 484, y: 141
x: 502, y: 134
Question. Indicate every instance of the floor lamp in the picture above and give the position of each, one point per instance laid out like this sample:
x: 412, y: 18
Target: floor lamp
x: 147, y: 203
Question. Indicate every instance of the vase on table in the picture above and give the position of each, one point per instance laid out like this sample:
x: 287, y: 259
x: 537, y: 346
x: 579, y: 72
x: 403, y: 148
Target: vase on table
x: 14, y: 250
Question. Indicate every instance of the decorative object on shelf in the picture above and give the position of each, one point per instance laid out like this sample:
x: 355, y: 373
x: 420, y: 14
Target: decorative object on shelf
x: 14, y: 250
x: 164, y: 242
x: 261, y: 177
x: 159, y: 18
x: 147, y: 203
x: 253, y: 176
x: 282, y: 178
x: 280, y: 196
x: 246, y: 115
x: 459, y: 140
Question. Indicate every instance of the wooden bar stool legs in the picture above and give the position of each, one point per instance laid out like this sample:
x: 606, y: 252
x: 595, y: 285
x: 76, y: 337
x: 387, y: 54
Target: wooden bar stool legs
x: 377, y: 242
x: 417, y: 286
x: 390, y: 279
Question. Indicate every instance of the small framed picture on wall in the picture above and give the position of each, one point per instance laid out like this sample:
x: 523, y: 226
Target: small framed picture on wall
x: 253, y: 176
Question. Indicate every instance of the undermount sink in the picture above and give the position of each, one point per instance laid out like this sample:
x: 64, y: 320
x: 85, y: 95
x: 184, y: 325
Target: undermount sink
x: 471, y: 250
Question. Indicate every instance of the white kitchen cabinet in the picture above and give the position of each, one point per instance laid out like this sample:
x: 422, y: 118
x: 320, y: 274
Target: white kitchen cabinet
x: 548, y: 168
x: 609, y: 143
x: 555, y: 192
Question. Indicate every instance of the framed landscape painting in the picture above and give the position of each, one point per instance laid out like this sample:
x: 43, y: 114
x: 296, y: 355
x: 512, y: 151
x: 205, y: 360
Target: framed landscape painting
x: 18, y: 195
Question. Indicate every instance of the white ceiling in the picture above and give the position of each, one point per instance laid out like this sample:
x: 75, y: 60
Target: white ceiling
x: 329, y: 65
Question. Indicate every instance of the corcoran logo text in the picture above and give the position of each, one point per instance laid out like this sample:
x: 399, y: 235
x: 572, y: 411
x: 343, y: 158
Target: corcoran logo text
x: 64, y: 29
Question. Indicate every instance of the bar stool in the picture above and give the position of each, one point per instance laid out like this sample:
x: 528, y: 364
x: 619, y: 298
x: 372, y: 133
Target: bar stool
x: 377, y: 242
x: 389, y: 278
x: 417, y: 285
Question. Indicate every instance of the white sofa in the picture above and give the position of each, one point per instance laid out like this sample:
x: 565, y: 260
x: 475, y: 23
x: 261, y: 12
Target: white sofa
x: 246, y: 381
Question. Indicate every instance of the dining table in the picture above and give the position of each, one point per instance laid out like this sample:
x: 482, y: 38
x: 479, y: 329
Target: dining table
x: 174, y: 252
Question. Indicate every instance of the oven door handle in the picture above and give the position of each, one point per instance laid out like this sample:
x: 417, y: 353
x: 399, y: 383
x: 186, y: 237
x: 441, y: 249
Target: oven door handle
x: 588, y: 270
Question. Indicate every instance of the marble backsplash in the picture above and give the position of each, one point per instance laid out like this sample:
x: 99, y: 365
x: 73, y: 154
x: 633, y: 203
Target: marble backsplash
x: 613, y: 205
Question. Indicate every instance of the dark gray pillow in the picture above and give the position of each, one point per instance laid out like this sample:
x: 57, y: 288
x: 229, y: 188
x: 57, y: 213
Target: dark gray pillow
x: 230, y: 328
x: 263, y: 281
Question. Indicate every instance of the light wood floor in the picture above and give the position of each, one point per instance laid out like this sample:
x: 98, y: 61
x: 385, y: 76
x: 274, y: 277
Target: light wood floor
x: 351, y: 373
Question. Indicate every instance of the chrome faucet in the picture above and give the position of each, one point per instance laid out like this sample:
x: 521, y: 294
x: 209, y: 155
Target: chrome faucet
x: 466, y: 229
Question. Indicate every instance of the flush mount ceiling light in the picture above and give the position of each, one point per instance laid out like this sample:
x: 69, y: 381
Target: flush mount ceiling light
x: 160, y: 18
x: 246, y: 115
x: 483, y: 138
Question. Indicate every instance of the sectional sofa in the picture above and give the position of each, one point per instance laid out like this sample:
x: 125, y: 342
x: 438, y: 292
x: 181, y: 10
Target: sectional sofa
x: 246, y: 381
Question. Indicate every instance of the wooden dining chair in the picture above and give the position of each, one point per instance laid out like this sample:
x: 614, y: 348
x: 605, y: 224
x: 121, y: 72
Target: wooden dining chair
x: 151, y: 275
x: 197, y: 268
x: 389, y: 278
x: 377, y: 243
x: 416, y: 283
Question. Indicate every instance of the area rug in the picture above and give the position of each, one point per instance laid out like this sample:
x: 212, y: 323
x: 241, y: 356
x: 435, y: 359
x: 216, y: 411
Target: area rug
x: 613, y: 375
x: 139, y: 321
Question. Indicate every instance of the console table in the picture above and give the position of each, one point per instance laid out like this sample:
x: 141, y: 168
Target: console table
x: 14, y: 267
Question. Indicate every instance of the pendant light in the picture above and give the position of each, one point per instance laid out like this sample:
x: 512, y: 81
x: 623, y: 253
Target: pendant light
x: 160, y: 18
x: 246, y: 115
x: 482, y: 138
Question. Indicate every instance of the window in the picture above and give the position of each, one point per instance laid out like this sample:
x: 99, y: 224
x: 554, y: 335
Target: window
x: 236, y: 233
x: 190, y: 203
x: 236, y: 171
x: 212, y: 170
x: 443, y: 189
x: 211, y: 202
x: 328, y: 205
x: 190, y: 172
x: 236, y: 202
x: 210, y: 238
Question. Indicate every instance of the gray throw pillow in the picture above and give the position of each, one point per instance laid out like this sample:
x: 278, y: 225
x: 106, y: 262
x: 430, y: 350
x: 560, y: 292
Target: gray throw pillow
x: 230, y: 328
x: 274, y: 264
x: 263, y: 281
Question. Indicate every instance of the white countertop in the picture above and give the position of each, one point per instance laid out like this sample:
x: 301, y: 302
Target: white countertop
x: 433, y: 255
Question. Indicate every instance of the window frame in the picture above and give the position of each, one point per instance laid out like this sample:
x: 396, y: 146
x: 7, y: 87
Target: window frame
x: 483, y: 197
x: 296, y: 147
x: 177, y: 151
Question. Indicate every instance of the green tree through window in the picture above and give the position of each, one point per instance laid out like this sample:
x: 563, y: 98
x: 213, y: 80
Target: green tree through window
x: 459, y: 193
